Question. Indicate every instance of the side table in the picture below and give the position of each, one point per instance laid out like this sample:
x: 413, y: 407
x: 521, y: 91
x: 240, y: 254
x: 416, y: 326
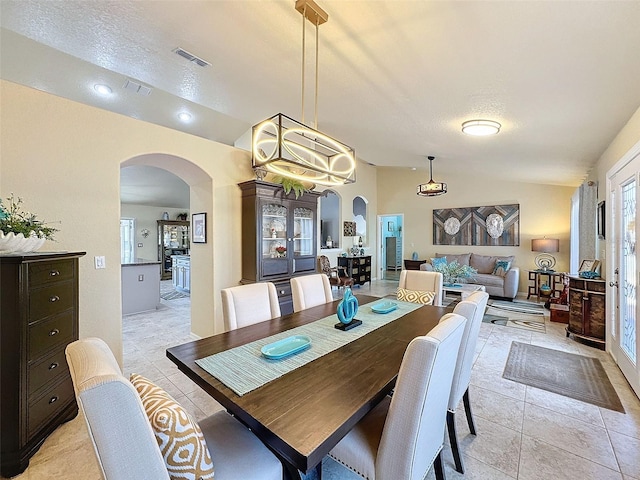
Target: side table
x: 537, y: 278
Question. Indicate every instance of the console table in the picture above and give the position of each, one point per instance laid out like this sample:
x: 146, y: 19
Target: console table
x: 413, y: 264
x: 358, y: 268
x: 587, y: 310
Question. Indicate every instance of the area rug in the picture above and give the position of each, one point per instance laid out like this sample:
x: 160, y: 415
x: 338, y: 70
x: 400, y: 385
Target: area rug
x: 173, y: 294
x: 575, y: 376
x: 522, y: 315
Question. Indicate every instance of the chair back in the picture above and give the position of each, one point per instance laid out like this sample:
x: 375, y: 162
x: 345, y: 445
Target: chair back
x: 413, y: 432
x: 122, y: 438
x: 310, y: 290
x: 324, y: 265
x: 248, y: 304
x: 423, y: 281
x: 472, y: 309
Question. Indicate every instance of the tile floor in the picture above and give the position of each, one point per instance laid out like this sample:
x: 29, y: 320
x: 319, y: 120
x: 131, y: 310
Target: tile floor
x: 523, y: 432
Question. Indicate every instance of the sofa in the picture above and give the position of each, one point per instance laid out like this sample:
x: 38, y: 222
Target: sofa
x: 499, y: 282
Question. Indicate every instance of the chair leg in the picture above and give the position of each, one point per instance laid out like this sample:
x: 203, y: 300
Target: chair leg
x: 467, y: 411
x: 438, y: 467
x: 453, y: 440
x: 319, y: 471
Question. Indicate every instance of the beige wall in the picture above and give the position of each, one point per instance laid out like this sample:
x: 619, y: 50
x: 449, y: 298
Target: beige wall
x: 626, y: 139
x: 64, y: 159
x: 544, y: 210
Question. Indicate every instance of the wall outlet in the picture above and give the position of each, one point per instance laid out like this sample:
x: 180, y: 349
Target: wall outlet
x: 140, y: 245
x: 141, y: 278
x: 100, y: 262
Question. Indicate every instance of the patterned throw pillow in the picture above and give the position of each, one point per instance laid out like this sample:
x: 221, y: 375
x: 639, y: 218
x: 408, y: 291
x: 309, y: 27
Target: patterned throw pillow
x: 179, y: 437
x: 501, y: 268
x: 439, y: 261
x: 416, y: 296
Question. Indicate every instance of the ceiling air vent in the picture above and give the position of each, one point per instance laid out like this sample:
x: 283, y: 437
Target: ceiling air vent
x: 191, y: 57
x: 136, y: 87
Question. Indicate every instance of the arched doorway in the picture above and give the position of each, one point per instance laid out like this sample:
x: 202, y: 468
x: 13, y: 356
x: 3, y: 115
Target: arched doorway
x: 200, y: 200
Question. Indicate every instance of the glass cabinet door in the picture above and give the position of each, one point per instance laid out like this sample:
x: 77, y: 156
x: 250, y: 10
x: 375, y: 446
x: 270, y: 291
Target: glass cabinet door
x: 274, y: 231
x: 303, y: 232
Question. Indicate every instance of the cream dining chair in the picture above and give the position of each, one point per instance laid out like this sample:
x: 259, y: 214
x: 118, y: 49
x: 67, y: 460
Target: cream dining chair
x: 472, y: 308
x: 310, y: 290
x: 404, y: 434
x: 248, y: 304
x: 124, y: 441
x: 419, y: 280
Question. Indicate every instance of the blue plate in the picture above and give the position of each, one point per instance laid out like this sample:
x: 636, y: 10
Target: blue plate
x: 384, y: 307
x: 285, y: 347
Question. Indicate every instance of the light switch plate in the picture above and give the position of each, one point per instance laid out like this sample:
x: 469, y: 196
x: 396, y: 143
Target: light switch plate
x: 100, y: 262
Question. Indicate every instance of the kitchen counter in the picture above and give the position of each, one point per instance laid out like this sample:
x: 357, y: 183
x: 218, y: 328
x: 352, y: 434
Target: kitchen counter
x: 140, y: 286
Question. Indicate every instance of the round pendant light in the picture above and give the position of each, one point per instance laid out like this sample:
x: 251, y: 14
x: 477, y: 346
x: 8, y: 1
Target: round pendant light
x: 431, y: 188
x: 480, y: 127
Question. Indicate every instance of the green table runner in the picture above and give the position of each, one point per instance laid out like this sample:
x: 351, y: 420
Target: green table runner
x: 244, y: 369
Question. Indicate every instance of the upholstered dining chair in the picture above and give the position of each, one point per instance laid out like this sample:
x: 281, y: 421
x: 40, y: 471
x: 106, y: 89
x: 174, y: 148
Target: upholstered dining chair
x: 123, y: 437
x: 248, y: 304
x: 337, y: 275
x: 472, y: 308
x: 422, y: 281
x: 404, y: 434
x: 310, y: 290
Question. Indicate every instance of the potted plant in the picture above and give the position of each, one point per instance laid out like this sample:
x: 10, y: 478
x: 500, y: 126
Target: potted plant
x: 281, y: 250
x: 454, y: 272
x: 21, y: 231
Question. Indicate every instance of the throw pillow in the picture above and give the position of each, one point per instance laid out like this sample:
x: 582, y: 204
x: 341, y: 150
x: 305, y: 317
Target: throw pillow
x: 439, y: 262
x: 501, y: 268
x: 416, y: 296
x: 179, y: 437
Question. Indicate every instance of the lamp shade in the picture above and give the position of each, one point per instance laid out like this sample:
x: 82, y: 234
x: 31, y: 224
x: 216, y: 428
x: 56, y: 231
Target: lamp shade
x: 546, y: 245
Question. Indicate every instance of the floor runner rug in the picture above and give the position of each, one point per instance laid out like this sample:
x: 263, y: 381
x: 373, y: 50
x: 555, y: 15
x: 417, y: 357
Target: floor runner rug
x: 172, y: 295
x: 568, y: 374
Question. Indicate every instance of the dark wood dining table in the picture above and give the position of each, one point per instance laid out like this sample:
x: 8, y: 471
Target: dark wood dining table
x: 302, y: 415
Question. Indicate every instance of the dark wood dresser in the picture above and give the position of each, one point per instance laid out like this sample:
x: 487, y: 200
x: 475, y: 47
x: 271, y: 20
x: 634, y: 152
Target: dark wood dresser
x: 38, y: 318
x: 587, y: 312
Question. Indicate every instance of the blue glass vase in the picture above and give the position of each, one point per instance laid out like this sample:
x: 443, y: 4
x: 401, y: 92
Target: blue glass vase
x: 348, y: 307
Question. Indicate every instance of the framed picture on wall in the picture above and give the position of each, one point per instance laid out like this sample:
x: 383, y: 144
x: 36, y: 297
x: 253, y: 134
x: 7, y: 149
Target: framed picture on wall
x: 589, y: 265
x: 601, y: 220
x: 199, y: 227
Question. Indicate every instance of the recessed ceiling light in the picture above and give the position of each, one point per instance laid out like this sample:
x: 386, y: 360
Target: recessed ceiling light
x: 184, y: 116
x: 102, y: 89
x: 481, y: 127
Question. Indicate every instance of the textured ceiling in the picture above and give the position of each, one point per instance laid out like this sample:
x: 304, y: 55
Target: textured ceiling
x: 397, y: 78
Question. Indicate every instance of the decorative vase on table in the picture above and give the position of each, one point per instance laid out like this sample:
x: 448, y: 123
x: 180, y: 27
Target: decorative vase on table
x: 346, y: 311
x: 20, y: 231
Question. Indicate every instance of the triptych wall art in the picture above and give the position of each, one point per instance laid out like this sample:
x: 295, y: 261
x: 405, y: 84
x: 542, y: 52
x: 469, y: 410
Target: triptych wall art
x: 497, y: 225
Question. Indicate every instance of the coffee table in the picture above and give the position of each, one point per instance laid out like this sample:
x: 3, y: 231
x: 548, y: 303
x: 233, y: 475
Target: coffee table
x: 464, y: 289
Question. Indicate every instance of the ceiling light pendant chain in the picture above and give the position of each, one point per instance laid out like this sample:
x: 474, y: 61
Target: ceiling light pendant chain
x: 431, y: 188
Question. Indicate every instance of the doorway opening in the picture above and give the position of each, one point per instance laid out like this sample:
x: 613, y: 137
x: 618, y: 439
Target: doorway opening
x: 390, y: 254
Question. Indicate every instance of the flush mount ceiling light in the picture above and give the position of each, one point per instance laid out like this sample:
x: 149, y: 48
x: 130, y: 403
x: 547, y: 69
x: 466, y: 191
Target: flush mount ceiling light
x: 291, y: 149
x: 102, y: 89
x: 481, y: 127
x: 431, y: 188
x: 184, y: 116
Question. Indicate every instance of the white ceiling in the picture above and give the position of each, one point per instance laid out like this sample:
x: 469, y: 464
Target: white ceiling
x: 143, y: 185
x: 397, y: 78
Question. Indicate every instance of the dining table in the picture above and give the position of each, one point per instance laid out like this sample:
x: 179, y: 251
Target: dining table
x: 301, y: 415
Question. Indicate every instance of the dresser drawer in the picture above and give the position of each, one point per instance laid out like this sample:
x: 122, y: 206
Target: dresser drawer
x: 46, y: 334
x: 49, y: 404
x: 47, y: 272
x: 283, y: 289
x: 50, y: 300
x: 47, y: 370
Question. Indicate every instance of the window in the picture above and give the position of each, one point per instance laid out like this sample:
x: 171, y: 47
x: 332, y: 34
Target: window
x: 127, y: 240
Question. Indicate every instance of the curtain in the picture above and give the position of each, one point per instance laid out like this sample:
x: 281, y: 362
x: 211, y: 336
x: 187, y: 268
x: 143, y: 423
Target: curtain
x: 587, y: 229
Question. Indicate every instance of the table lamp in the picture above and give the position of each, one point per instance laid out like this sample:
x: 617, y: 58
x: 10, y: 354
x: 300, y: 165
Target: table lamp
x: 544, y: 261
